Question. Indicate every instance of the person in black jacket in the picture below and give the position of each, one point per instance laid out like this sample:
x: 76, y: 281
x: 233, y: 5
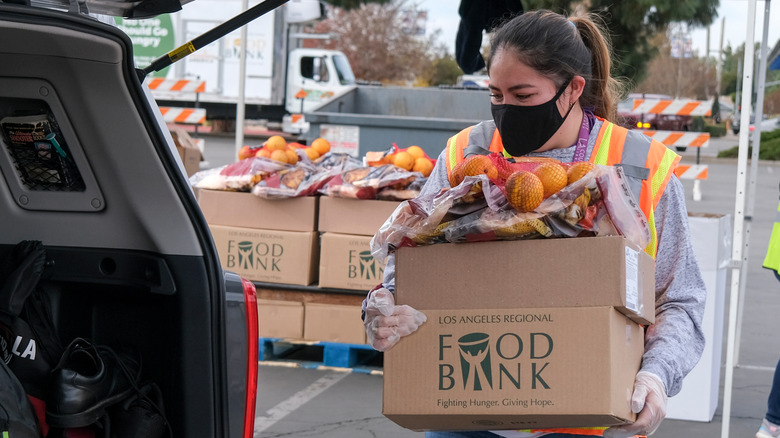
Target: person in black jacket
x: 476, y: 16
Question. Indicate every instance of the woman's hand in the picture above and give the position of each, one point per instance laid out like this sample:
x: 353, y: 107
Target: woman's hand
x: 649, y: 401
x: 386, y: 323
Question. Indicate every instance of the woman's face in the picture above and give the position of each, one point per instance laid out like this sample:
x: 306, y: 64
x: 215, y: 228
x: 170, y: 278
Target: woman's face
x: 514, y: 83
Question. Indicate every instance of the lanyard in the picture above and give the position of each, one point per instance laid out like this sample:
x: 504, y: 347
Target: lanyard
x: 582, y: 141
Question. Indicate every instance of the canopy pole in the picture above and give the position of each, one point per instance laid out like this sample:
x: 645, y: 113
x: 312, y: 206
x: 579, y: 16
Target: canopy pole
x: 751, y: 192
x: 241, y: 105
x: 737, y: 261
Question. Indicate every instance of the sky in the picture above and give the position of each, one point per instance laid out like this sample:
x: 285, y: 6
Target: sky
x: 443, y: 14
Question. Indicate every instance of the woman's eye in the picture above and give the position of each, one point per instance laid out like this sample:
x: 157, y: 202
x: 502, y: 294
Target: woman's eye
x: 495, y: 96
x: 522, y: 96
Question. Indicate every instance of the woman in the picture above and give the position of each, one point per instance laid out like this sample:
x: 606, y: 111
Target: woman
x: 552, y: 96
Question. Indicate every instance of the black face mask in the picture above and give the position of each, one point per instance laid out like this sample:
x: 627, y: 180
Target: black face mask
x: 524, y: 129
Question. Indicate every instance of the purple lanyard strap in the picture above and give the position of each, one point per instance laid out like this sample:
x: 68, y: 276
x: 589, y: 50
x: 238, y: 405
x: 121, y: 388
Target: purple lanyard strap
x: 582, y: 142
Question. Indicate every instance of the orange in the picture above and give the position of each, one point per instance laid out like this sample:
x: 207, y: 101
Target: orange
x: 457, y: 174
x: 263, y: 153
x: 292, y: 157
x: 245, y: 152
x: 480, y: 164
x: 553, y: 177
x: 404, y: 160
x: 524, y: 191
x: 311, y: 153
x: 279, y: 155
x: 578, y: 170
x: 416, y: 151
x: 321, y: 145
x: 423, y: 165
x: 276, y: 142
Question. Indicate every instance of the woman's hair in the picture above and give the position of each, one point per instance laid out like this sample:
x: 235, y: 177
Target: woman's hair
x: 562, y: 48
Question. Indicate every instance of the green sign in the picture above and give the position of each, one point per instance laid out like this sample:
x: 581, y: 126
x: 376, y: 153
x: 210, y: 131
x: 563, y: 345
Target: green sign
x: 152, y: 38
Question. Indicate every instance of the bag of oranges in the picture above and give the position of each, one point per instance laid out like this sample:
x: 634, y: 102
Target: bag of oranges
x: 305, y: 178
x: 492, y: 198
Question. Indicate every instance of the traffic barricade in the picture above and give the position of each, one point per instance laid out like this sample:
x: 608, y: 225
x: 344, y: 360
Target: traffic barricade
x: 163, y: 88
x: 680, y: 140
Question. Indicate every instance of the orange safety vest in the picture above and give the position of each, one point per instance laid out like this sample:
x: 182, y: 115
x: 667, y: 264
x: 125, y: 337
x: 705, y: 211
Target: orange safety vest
x: 648, y: 161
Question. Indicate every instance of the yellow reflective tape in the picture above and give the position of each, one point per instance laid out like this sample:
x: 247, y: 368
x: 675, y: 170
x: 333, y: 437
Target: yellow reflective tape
x: 661, y: 172
x: 603, y: 153
x: 652, y: 247
x: 452, y: 151
x: 181, y: 52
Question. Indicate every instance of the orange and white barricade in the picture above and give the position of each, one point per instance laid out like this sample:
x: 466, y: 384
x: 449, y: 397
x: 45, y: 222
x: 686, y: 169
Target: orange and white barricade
x: 176, y: 85
x: 680, y: 139
x: 168, y: 88
x: 187, y: 116
x: 691, y: 171
x: 680, y: 107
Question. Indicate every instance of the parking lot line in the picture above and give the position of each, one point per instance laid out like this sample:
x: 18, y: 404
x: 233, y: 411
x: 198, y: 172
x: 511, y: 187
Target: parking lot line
x: 298, y: 399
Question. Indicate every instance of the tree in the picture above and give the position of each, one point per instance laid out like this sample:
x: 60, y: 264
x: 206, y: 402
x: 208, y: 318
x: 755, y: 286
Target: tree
x: 632, y: 24
x: 371, y: 37
x: 693, y: 78
x: 443, y: 70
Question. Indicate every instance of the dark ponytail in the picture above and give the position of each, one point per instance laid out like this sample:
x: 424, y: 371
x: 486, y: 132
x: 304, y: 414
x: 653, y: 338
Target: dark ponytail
x: 562, y: 48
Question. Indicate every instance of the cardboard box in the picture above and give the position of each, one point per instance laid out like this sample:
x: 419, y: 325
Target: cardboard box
x: 280, y: 319
x: 346, y: 262
x: 494, y: 369
x: 567, y: 272
x: 190, y: 158
x: 188, y: 150
x: 354, y: 216
x: 333, y: 323
x: 273, y: 256
x: 243, y: 209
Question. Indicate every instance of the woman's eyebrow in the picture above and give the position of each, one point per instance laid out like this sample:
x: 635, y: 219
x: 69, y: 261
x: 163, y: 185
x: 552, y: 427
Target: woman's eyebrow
x: 513, y: 87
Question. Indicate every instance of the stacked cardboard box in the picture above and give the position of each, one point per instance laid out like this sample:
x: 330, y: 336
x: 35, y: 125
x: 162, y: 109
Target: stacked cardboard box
x: 261, y: 239
x: 347, y: 226
x: 311, y: 316
x: 520, y: 335
x: 345, y: 255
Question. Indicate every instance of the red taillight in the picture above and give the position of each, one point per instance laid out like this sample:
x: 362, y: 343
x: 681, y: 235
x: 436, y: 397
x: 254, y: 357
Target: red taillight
x: 250, y: 300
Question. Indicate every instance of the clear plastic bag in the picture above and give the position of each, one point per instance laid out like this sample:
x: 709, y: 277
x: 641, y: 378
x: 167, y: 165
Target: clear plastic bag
x: 599, y: 203
x: 239, y: 176
x: 306, y: 178
x: 366, y: 182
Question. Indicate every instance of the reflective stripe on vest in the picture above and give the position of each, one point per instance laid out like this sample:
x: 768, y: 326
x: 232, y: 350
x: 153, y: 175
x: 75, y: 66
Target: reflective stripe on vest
x: 649, y: 161
x: 642, y: 152
x: 772, y: 259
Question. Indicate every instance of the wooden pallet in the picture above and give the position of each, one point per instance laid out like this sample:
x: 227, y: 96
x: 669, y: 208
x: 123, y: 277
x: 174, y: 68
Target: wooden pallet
x: 318, y: 354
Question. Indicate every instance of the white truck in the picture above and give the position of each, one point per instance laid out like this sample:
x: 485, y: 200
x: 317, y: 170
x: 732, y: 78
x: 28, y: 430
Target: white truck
x: 276, y: 68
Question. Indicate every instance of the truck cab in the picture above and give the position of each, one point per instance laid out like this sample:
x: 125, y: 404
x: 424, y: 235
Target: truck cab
x: 319, y: 74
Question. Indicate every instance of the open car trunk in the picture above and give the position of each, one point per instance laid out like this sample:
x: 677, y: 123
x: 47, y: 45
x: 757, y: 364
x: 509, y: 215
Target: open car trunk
x: 129, y: 256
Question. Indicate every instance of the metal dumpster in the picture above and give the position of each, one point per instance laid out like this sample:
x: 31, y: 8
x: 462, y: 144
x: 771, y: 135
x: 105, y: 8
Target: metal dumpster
x: 370, y: 118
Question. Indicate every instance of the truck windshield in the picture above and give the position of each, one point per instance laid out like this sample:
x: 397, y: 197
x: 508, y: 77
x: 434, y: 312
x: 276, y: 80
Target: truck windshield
x: 346, y: 77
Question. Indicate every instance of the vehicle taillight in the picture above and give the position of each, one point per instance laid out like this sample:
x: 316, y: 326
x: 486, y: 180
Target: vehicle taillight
x: 250, y: 300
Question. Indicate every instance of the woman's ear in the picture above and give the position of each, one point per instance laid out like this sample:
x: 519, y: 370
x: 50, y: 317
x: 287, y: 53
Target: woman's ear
x: 577, y: 87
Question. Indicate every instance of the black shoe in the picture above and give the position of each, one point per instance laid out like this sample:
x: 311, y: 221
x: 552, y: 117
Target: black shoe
x: 88, y: 379
x: 140, y: 416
